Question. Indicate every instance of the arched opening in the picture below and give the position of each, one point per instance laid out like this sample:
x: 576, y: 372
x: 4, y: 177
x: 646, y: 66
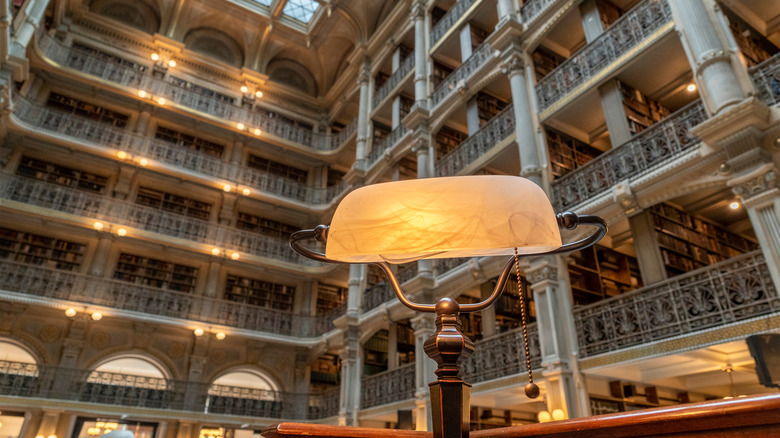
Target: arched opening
x: 245, y: 392
x: 18, y: 369
x: 130, y: 380
x: 215, y: 44
x: 137, y: 14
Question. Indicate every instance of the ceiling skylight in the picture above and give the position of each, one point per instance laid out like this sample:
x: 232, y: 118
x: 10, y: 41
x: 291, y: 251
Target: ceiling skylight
x: 301, y: 10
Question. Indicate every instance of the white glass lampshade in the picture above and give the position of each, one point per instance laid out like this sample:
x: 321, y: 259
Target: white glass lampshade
x: 463, y: 216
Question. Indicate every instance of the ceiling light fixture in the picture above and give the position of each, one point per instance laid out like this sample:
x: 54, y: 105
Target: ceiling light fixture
x: 155, y: 57
x: 198, y: 332
x: 171, y: 63
x: 244, y: 89
x: 259, y: 94
x: 240, y: 126
x: 220, y: 336
x: 691, y: 88
x: 467, y: 216
x: 97, y: 225
x: 70, y: 313
x: 734, y: 205
x: 97, y: 316
x: 121, y: 232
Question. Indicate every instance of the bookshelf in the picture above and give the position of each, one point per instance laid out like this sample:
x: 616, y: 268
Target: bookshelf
x: 278, y: 169
x: 155, y: 273
x: 508, y: 307
x: 267, y: 227
x: 259, y: 293
x: 325, y: 372
x: 599, y: 272
x: 189, y: 142
x: 61, y: 175
x: 276, y: 116
x: 471, y: 322
x: 379, y: 79
x: 36, y: 249
x: 109, y: 57
x: 440, y: 73
x: 334, y: 176
x: 608, y: 12
x: 478, y: 36
x: 406, y: 104
x: 545, y: 61
x: 380, y: 132
x: 87, y: 110
x: 688, y: 242
x: 406, y: 342
x: 641, y: 111
x: 199, y: 89
x: 567, y: 153
x: 754, y: 46
x: 173, y: 203
x: 488, y: 106
x: 330, y: 297
x: 447, y: 139
x: 375, y: 353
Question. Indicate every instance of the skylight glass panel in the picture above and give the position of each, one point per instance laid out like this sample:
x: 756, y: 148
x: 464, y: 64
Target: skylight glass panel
x: 301, y: 10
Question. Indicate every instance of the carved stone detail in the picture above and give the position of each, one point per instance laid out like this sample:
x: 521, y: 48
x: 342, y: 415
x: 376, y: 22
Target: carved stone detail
x: 756, y: 185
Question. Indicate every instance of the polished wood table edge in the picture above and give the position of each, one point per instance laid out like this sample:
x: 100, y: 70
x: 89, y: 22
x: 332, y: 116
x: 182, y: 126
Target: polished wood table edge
x: 282, y: 430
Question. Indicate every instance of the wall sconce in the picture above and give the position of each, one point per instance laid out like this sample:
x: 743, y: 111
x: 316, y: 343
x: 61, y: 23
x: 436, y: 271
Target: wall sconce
x: 216, y: 252
x: 220, y: 336
x: 100, y: 226
x: 122, y: 155
x: 466, y: 216
x: 121, y: 232
x: 70, y: 313
x: 97, y: 316
x: 198, y: 332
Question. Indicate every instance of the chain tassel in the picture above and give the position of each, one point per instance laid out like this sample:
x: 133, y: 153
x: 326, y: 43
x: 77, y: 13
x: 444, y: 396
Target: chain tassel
x: 531, y: 389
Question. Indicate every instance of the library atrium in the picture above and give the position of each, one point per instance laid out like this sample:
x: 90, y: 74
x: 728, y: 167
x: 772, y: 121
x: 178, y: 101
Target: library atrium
x: 155, y: 156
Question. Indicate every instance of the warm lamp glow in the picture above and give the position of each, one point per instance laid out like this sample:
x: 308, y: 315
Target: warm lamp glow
x: 734, y: 205
x: 235, y: 256
x: 52, y: 436
x: 155, y: 56
x: 227, y: 188
x: 691, y: 88
x: 450, y: 217
x: 544, y: 417
x: 244, y: 89
x: 39, y: 436
x: 259, y: 94
x: 70, y: 313
x: 121, y: 232
x: 141, y: 93
x: 143, y: 161
x: 240, y: 126
x: 97, y: 316
x: 220, y: 336
x: 172, y: 63
x: 198, y: 332
x: 161, y: 101
x: 215, y: 251
x: 121, y: 155
x: 558, y: 414
x: 246, y: 192
x: 98, y: 226
x: 257, y: 131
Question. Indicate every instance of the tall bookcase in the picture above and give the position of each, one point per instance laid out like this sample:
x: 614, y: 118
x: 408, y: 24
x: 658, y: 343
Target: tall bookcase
x: 173, y: 203
x: 567, y: 153
x: 545, y: 61
x: 325, y: 372
x: 641, y: 111
x: 87, y: 110
x: 189, y: 141
x: 61, y: 175
x: 689, y: 242
x: 40, y: 250
x: 375, y: 353
x: 278, y: 169
x: 267, y: 227
x: 406, y: 342
x: 259, y: 293
x: 599, y: 272
x: 156, y: 273
x: 447, y: 139
x: 488, y: 106
x: 330, y: 297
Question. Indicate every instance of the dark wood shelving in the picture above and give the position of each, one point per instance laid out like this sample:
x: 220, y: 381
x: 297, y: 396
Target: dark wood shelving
x: 61, y: 175
x: 599, y: 272
x: 173, y: 203
x: 199, y: 89
x: 641, y: 111
x: 36, y: 249
x: 189, y: 141
x: 259, y: 293
x: 266, y: 227
x: 87, y: 110
x: 278, y: 169
x: 330, y: 297
x: 155, y: 273
x: 447, y: 139
x: 567, y: 153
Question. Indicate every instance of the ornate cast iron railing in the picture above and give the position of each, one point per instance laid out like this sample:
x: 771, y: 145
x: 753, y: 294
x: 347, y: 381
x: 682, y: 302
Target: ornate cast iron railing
x: 462, y: 74
x: 387, y: 387
x: 114, y: 389
x: 407, y: 65
x: 377, y: 294
x: 68, y: 286
x: 502, y: 355
x: 139, y: 146
x: 324, y: 404
x: 653, y: 146
x: 766, y: 77
x: 118, y: 73
x: 532, y: 9
x: 445, y: 265
x: 501, y: 126
x: 628, y: 31
x: 393, y: 138
x: 98, y: 207
x: 449, y: 19
x: 734, y: 290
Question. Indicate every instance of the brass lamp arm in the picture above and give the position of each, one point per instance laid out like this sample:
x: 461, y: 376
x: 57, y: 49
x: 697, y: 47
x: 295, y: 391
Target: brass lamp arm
x: 567, y: 220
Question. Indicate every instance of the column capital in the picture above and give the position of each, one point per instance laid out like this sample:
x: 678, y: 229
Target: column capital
x: 755, y: 185
x: 365, y: 72
x: 418, y: 10
x: 513, y: 64
x: 542, y: 271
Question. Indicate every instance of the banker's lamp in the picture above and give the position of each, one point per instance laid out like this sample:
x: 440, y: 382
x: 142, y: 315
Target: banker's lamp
x: 463, y: 216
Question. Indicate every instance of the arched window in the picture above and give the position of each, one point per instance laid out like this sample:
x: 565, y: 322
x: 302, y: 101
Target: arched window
x: 215, y: 44
x: 245, y: 392
x: 18, y: 370
x: 135, y: 13
x: 135, y: 371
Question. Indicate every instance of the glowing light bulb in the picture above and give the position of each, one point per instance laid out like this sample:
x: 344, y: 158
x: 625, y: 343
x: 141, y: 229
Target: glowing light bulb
x: 246, y: 192
x: 215, y: 251
x: 121, y: 155
x: 52, y: 436
x: 70, y: 313
x: 259, y: 94
x: 141, y: 93
x: 121, y: 232
x: 97, y: 316
x: 258, y: 131
x: 172, y: 63
x: 161, y: 101
x: 155, y: 56
x: 198, y: 332
x: 244, y: 89
x: 98, y: 226
x: 235, y: 256
x: 544, y: 417
x: 691, y: 88
x: 227, y: 188
x: 143, y: 161
x: 558, y: 414
x: 220, y: 336
x: 240, y: 126
x: 734, y: 205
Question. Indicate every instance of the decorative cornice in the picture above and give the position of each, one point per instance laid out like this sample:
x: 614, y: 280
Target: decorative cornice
x: 542, y: 271
x: 759, y: 181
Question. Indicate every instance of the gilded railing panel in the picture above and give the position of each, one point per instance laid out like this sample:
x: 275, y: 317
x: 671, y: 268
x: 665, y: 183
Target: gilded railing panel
x: 393, y: 138
x: 502, y: 355
x: 734, y: 290
x: 656, y: 145
x: 407, y: 65
x: 627, y: 32
x: 449, y: 19
x: 470, y: 66
x: 387, y: 387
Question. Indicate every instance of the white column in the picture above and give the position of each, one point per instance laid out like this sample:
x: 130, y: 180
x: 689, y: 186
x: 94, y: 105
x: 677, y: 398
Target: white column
x: 591, y: 20
x: 761, y: 197
x: 648, y: 255
x: 396, y: 109
x: 351, y: 365
x: 357, y: 285
x: 714, y: 68
x: 142, y: 123
x: 505, y: 9
x: 361, y: 149
x: 424, y: 326
x: 99, y: 260
x: 530, y: 163
x: 212, y: 279
x: 420, y: 53
x: 557, y: 338
x: 614, y: 113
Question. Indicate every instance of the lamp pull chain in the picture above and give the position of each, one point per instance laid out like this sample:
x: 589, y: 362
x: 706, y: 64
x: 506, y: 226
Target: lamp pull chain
x: 531, y: 389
